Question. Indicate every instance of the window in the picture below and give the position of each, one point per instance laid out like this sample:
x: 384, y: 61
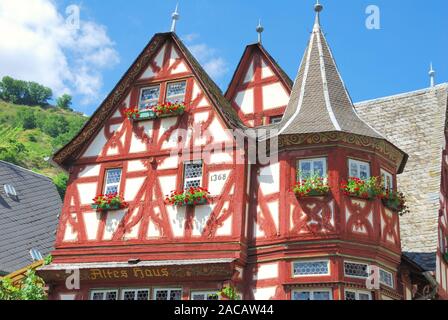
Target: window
x: 149, y: 97
x: 386, y: 278
x: 10, y: 191
x: 359, y: 169
x: 112, y: 183
x: 104, y: 295
x: 168, y: 294
x: 175, y: 92
x: 276, y: 120
x: 387, y: 179
x: 193, y: 174
x: 357, y: 295
x: 206, y: 295
x: 135, y: 294
x: 318, y: 294
x: 310, y: 167
x: 356, y: 270
x: 311, y: 268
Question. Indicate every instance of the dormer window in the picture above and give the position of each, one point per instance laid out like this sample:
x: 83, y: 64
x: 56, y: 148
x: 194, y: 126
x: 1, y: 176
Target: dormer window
x: 149, y: 97
x: 359, y: 169
x: 112, y: 181
x: 175, y: 92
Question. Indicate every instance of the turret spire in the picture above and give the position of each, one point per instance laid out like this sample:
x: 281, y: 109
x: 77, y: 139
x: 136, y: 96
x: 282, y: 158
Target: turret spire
x: 175, y: 16
x: 260, y: 30
x: 318, y: 9
x: 432, y: 76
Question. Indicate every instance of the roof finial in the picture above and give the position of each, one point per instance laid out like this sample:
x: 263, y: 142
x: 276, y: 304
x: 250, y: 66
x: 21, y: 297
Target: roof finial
x: 432, y: 76
x: 318, y: 8
x: 175, y: 16
x: 260, y: 30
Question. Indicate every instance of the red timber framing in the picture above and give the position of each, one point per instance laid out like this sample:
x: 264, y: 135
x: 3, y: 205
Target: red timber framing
x: 256, y: 80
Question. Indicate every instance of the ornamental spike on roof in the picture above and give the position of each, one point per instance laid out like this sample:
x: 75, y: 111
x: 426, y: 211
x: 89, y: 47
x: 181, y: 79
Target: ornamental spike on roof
x: 319, y: 101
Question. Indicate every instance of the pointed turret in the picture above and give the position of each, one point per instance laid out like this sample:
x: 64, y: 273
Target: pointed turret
x: 319, y: 101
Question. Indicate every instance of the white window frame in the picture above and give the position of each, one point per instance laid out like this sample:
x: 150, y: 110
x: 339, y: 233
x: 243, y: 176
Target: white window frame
x: 275, y: 120
x: 357, y: 293
x: 106, y: 185
x: 141, y: 95
x: 135, y: 290
x: 193, y: 179
x: 193, y: 293
x: 312, y: 291
x: 312, y: 160
x: 311, y: 275
x: 167, y: 98
x: 356, y: 262
x: 358, y: 163
x: 392, y: 276
x: 384, y: 175
x: 105, y: 291
x: 155, y: 290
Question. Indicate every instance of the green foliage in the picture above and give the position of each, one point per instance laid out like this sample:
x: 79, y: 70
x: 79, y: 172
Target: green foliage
x: 314, y: 185
x: 26, y: 118
x: 230, y: 293
x: 11, y: 149
x: 23, y: 92
x: 60, y: 181
x: 64, y: 102
x: 31, y: 288
x: 48, y: 260
x: 55, y: 125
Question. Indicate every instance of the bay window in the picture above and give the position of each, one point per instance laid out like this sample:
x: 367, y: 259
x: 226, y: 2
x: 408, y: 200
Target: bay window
x: 387, y: 180
x: 359, y: 169
x: 307, y: 168
x: 317, y: 294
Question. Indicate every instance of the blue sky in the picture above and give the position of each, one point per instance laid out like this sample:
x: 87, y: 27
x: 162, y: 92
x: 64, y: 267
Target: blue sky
x: 373, y: 63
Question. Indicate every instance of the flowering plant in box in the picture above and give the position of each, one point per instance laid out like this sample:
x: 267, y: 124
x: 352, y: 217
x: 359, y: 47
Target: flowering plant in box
x: 191, y: 196
x: 313, y: 186
x: 365, y: 189
x: 395, y: 201
x: 132, y: 113
x: 111, y: 201
x: 169, y: 109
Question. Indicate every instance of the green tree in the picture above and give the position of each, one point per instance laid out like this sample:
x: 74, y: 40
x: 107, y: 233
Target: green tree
x: 37, y: 94
x: 13, y: 151
x: 12, y: 90
x: 31, y: 288
x: 54, y: 125
x: 26, y: 118
x: 64, y: 102
x: 60, y: 182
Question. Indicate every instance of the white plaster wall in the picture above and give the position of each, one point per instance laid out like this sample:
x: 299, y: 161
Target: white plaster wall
x: 267, y: 271
x: 136, y: 165
x: 269, y: 179
x: 215, y: 187
x: 177, y: 220
x: 168, y: 184
x: 201, y: 216
x: 169, y: 163
x: 264, y: 293
x: 250, y: 73
x: 266, y: 71
x: 274, y: 210
x: 90, y: 171
x: 87, y: 191
x: 112, y: 221
x: 133, y: 186
x: 96, y: 146
x: 245, y: 100
x: 92, y: 222
x: 70, y: 234
x: 274, y: 96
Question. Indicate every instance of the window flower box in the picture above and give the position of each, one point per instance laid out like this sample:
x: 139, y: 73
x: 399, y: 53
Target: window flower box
x: 169, y: 110
x: 190, y: 197
x: 109, y: 202
x: 395, y: 201
x: 147, y: 112
x: 314, y: 186
x: 368, y: 189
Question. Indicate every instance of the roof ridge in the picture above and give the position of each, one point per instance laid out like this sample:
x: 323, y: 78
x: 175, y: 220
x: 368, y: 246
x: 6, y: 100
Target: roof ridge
x: 405, y: 94
x: 25, y: 170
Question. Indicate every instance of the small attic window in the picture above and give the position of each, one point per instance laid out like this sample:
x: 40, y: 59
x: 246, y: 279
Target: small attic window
x: 10, y: 191
x: 35, y: 255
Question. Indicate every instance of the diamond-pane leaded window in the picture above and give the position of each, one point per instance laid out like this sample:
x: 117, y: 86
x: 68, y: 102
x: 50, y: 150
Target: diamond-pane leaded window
x: 104, y: 295
x: 149, y: 97
x: 175, y: 92
x: 112, y: 183
x: 192, y: 175
x: 357, y: 295
x: 204, y: 296
x: 350, y: 295
x: 386, y: 278
x: 355, y: 269
x: 306, y: 268
x: 311, y: 295
x: 135, y: 294
x: 168, y: 294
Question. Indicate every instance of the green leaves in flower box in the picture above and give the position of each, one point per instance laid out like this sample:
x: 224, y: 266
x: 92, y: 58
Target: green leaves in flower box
x: 314, y: 186
x: 190, y: 197
x: 111, y: 201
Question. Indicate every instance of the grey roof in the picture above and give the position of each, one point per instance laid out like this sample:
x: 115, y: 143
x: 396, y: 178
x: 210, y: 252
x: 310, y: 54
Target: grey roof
x: 426, y: 260
x: 30, y: 220
x: 319, y: 100
x: 415, y: 122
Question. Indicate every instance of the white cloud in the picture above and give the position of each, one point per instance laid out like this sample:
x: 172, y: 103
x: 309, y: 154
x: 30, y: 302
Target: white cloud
x: 38, y: 45
x: 214, y: 65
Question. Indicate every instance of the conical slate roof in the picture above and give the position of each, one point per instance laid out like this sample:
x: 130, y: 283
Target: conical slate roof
x: 319, y: 100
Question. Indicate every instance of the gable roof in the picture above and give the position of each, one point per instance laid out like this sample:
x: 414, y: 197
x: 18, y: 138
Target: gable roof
x: 415, y: 122
x: 248, y: 52
x: 30, y: 220
x: 319, y: 100
x: 69, y: 152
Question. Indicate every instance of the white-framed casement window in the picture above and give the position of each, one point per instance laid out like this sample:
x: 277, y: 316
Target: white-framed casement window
x: 168, y: 294
x: 311, y: 167
x: 358, y: 169
x: 175, y: 92
x: 314, y: 294
x: 192, y: 174
x: 311, y: 268
x: 356, y: 270
x: 135, y: 294
x: 387, y: 278
x: 275, y: 120
x: 109, y: 294
x: 112, y: 180
x: 357, y: 295
x: 204, y: 295
x: 387, y: 180
x: 149, y: 97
